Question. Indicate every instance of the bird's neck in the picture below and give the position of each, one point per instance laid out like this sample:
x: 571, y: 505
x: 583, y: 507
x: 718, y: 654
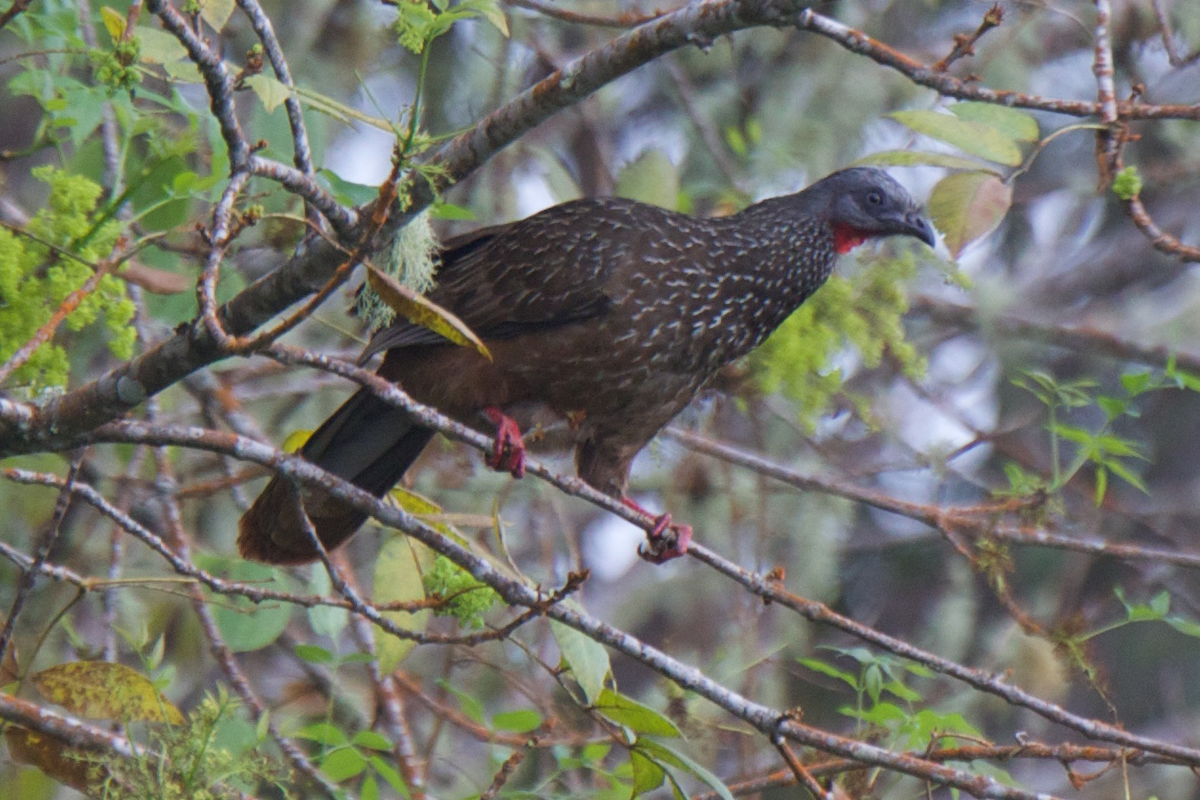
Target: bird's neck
x: 775, y: 258
x: 792, y: 250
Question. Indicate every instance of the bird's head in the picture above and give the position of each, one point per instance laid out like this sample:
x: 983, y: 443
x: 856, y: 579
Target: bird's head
x: 864, y: 203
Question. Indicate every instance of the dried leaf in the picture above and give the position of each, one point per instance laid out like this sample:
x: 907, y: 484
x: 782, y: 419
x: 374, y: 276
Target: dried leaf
x: 420, y: 311
x: 52, y: 757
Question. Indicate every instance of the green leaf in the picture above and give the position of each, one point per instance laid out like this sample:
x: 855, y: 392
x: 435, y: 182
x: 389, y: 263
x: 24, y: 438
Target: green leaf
x: 1137, y: 382
x: 389, y: 774
x: 1112, y: 407
x: 216, y: 12
x: 263, y: 727
x: 918, y: 158
x: 322, y: 733
x: 663, y: 754
x: 105, y: 690
x: 372, y: 740
x: 325, y: 620
x: 313, y: 654
x: 951, y: 722
x: 974, y: 138
x: 884, y: 714
x: 830, y: 670
x: 491, y: 11
x: 968, y: 205
x: 517, y: 721
x: 353, y: 194
x: 451, y: 212
x: 634, y: 715
x: 586, y: 657
x: 1101, y: 487
x: 1124, y: 473
x: 900, y: 690
x: 1013, y: 123
x: 470, y: 705
x: 250, y: 626
x: 1185, y: 626
x: 873, y: 681
x: 340, y: 111
x: 647, y: 775
x: 398, y: 580
x: 343, y: 763
x: 270, y: 92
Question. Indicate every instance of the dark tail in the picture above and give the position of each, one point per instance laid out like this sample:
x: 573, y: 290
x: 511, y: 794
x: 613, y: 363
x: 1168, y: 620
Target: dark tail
x: 367, y: 442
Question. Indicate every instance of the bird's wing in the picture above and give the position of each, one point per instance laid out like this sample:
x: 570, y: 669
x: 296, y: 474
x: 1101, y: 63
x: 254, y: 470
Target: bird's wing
x: 542, y: 272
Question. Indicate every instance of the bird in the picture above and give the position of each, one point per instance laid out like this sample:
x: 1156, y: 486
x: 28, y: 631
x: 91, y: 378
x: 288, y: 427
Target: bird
x: 610, y: 313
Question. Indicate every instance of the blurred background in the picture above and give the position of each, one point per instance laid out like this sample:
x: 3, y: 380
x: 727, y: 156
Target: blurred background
x: 1040, y: 380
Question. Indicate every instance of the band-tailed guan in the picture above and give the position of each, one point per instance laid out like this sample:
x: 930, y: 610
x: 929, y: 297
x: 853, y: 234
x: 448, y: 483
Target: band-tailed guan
x: 610, y: 312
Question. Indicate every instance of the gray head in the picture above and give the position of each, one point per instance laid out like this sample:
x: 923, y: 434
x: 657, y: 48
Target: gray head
x: 865, y: 203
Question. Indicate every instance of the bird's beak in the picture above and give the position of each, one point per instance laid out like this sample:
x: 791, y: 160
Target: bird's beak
x: 915, y: 224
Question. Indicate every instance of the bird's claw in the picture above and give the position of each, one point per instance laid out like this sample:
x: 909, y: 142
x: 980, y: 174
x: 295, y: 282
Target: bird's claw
x: 665, y: 541
x: 508, y: 454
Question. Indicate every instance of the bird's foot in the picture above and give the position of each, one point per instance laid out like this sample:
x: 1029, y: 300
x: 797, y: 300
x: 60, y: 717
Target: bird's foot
x: 666, y: 540
x: 508, y: 454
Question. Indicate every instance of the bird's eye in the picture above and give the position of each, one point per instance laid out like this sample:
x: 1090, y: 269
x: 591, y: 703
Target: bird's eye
x: 875, y: 198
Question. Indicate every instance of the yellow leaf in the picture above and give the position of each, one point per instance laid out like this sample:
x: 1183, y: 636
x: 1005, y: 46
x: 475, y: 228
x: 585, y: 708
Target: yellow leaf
x: 295, y: 440
x: 107, y: 691
x: 114, y: 22
x: 420, y: 311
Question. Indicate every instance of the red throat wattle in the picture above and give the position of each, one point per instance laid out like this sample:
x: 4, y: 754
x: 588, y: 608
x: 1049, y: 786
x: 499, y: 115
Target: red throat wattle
x: 846, y: 238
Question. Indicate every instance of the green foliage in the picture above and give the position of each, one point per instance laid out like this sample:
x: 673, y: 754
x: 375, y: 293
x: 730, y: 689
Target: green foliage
x: 345, y: 757
x: 867, y: 313
x: 464, y: 598
x: 1107, y: 452
x: 1074, y: 644
x: 586, y: 658
x: 1128, y: 183
x: 185, y: 761
x: 878, y: 683
x: 418, y: 23
x: 116, y: 68
x: 1157, y: 610
x: 35, y: 280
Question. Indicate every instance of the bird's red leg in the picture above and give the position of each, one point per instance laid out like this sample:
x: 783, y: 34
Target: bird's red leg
x: 508, y: 455
x: 659, y: 545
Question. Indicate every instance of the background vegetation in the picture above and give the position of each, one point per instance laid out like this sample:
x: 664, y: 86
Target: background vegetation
x: 945, y: 518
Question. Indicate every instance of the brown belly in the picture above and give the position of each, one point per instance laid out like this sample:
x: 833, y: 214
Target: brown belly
x: 600, y: 386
